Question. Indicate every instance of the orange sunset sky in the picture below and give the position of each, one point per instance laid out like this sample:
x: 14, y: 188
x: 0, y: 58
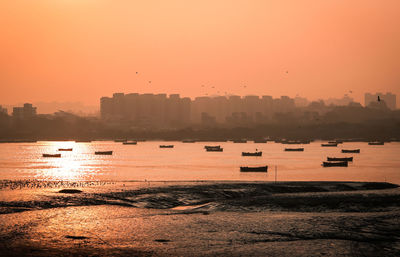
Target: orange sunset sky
x: 80, y: 50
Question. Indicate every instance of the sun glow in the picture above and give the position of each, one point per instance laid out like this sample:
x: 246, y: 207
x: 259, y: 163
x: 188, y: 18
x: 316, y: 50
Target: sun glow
x: 69, y: 166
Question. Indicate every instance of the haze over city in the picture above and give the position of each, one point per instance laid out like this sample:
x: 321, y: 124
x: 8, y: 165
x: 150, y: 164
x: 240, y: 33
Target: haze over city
x: 68, y: 51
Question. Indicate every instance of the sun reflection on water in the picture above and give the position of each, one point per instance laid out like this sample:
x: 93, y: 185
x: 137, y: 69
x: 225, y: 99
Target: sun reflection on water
x: 69, y: 166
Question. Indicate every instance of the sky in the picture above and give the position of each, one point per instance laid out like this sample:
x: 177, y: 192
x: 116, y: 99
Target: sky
x: 80, y: 50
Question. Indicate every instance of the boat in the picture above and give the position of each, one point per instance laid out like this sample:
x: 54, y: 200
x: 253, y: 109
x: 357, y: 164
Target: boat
x: 329, y: 145
x: 335, y: 142
x: 103, y: 152
x: 189, y: 141
x: 335, y: 164
x: 290, y: 142
x: 260, y: 141
x: 57, y: 155
x: 376, y: 143
x: 215, y: 149
x: 339, y: 159
x: 350, y: 151
x: 212, y: 147
x: 240, y: 141
x: 252, y: 154
x: 294, y: 149
x: 65, y: 149
x: 254, y: 169
x: 130, y: 143
x: 166, y: 146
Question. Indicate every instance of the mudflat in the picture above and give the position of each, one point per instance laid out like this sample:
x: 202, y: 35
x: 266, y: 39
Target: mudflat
x: 200, y: 219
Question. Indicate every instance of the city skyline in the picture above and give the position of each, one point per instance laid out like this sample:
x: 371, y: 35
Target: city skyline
x: 80, y: 108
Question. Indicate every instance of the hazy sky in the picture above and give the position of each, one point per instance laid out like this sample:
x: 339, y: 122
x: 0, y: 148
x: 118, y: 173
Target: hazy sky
x: 80, y: 50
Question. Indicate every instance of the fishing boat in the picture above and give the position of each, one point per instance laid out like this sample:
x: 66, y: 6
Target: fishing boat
x: 294, y: 149
x: 166, y: 146
x: 254, y: 169
x: 339, y: 159
x: 291, y: 142
x: 329, y: 145
x: 212, y: 147
x: 215, y: 149
x: 130, y: 143
x: 103, y: 152
x: 376, y: 143
x: 260, y: 141
x: 252, y: 154
x: 335, y: 164
x: 350, y: 151
x: 57, y: 155
x: 335, y: 142
x: 239, y: 141
x: 65, y: 149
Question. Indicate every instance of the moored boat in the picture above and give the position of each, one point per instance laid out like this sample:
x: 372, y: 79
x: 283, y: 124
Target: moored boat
x: 329, y: 145
x: 252, y: 153
x: 189, y: 141
x: 103, y: 152
x: 214, y: 149
x: 350, y: 150
x: 254, y: 169
x: 260, y: 141
x: 166, y: 146
x: 339, y: 159
x: 130, y: 143
x: 65, y: 149
x: 240, y: 141
x: 335, y: 164
x: 294, y: 149
x: 336, y: 142
x: 376, y: 143
x: 57, y: 155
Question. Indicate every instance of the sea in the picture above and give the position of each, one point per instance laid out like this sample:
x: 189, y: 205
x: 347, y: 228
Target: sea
x: 146, y: 161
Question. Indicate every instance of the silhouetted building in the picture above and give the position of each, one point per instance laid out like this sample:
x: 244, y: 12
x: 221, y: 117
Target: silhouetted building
x: 345, y: 100
x: 388, y: 98
x: 208, y: 120
x: 3, y: 110
x: 301, y: 101
x: 146, y: 110
x: 25, y: 112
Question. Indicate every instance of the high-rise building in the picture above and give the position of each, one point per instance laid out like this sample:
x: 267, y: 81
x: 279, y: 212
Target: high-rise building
x: 25, y: 112
x: 158, y: 110
x: 146, y: 110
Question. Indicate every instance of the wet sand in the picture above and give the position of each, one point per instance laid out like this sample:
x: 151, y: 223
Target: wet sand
x: 202, y: 219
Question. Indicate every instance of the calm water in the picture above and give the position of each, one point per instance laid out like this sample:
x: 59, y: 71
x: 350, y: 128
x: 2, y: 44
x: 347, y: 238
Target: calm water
x: 146, y: 161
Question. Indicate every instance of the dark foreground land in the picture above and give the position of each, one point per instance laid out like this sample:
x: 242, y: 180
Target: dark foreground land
x: 201, y: 219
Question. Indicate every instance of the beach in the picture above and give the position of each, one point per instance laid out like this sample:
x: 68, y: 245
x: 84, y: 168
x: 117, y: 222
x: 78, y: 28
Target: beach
x: 196, y: 218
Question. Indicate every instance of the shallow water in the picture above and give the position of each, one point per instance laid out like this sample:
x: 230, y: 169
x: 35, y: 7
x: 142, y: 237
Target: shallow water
x: 186, y: 162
